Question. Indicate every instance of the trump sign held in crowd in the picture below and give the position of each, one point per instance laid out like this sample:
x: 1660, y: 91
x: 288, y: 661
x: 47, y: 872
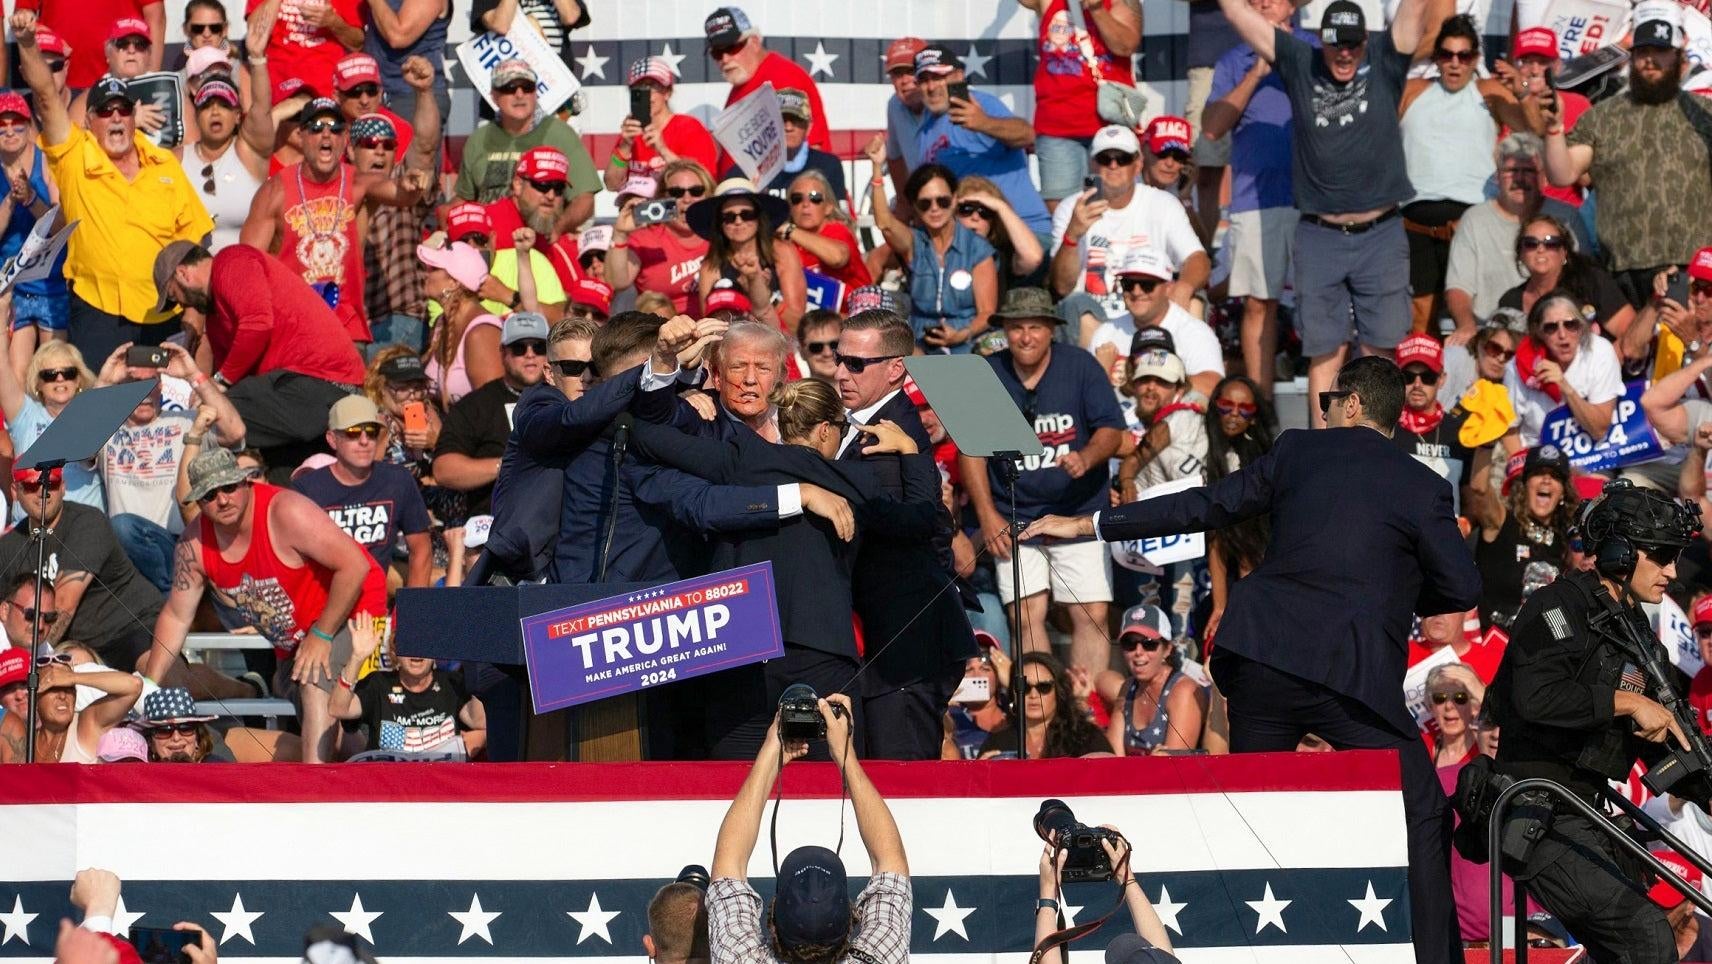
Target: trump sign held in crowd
x: 555, y: 83
x: 1628, y: 441
x: 626, y: 643
x: 35, y: 259
x: 1147, y: 555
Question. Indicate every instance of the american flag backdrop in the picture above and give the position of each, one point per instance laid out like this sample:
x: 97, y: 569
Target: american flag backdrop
x: 1283, y: 858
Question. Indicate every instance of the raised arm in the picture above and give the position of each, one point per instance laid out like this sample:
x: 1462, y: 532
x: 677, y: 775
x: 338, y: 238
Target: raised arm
x: 896, y: 233
x: 50, y: 110
x: 742, y: 823
x: 1418, y: 20
x: 405, y: 26
x: 258, y: 128
x: 1254, y: 29
x: 874, y: 820
x: 1662, y: 401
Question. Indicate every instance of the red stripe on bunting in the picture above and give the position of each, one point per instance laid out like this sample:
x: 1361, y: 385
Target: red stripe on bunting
x: 588, y: 782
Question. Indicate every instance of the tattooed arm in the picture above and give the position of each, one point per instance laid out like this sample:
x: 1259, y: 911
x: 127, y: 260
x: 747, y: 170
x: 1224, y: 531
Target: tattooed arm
x: 12, y: 739
x: 188, y: 579
x: 68, y: 594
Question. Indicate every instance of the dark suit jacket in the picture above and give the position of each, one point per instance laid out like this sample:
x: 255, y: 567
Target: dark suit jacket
x: 912, y: 614
x: 811, y: 565
x: 1362, y: 539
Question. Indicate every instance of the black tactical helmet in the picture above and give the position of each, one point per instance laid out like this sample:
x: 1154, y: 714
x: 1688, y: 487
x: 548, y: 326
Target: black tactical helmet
x: 1641, y: 516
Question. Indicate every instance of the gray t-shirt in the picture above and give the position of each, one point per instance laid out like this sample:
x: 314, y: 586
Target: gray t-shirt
x: 1348, y: 150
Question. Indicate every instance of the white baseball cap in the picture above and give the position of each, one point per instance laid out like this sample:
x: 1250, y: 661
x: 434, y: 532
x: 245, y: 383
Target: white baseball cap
x: 1146, y: 262
x: 1159, y: 364
x: 1114, y: 137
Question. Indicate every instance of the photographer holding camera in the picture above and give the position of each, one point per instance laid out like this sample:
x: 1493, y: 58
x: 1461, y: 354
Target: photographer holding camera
x: 677, y: 920
x: 1586, y: 688
x: 1077, y: 853
x: 812, y: 919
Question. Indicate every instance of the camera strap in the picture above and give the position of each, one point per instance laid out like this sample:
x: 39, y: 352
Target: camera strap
x: 779, y: 795
x: 1065, y: 935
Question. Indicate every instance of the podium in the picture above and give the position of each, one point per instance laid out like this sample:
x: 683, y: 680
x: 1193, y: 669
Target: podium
x: 481, y: 624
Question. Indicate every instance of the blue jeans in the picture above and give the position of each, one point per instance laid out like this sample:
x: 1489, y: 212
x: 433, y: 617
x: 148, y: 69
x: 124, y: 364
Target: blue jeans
x: 148, y: 546
x: 389, y: 330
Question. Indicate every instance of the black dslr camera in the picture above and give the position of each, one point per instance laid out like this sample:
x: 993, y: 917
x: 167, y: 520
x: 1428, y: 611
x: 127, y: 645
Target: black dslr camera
x: 799, y: 714
x: 1086, y: 859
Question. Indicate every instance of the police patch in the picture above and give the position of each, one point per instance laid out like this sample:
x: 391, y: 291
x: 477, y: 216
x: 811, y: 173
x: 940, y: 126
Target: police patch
x: 1558, y: 624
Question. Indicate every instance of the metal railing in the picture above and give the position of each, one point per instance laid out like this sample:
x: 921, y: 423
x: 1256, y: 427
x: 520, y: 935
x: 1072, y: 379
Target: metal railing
x: 1600, y: 822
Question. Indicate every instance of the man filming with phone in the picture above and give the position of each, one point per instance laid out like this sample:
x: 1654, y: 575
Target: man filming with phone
x: 812, y: 919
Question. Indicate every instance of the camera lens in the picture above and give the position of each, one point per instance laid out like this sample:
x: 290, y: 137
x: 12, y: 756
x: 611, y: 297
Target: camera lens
x: 694, y: 874
x: 1054, y: 817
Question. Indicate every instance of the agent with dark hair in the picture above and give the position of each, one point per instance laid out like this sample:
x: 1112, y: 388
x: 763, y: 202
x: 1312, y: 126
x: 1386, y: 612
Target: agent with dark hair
x: 1574, y: 710
x: 812, y: 919
x: 1314, y: 639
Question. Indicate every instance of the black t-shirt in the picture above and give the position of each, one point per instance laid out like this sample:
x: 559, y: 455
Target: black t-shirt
x: 117, y: 602
x: 1004, y: 739
x: 1347, y: 154
x: 398, y: 719
x: 1599, y: 304
x: 477, y: 427
x: 1441, y: 450
x: 374, y: 513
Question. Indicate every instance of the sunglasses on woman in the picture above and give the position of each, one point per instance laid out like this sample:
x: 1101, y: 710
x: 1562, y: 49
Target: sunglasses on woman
x: 739, y: 216
x: 1701, y: 288
x: 680, y: 192
x: 58, y: 374
x: 198, y: 29
x: 1460, y: 698
x: 812, y: 197
x: 925, y: 204
x: 1495, y: 350
x: 171, y: 729
x: 573, y: 367
x: 1150, y: 643
x: 1246, y: 410
x: 1550, y: 242
x: 1460, y: 56
x: 974, y: 209
x: 1043, y: 687
x: 1550, y: 328
x: 63, y: 659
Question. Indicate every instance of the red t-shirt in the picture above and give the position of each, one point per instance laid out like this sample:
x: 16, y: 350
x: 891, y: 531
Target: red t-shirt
x: 300, y: 49
x: 562, y: 253
x: 1573, y: 106
x: 854, y: 274
x: 1065, y: 95
x: 687, y: 139
x: 1700, y: 697
x: 83, y: 24
x: 318, y: 238
x: 783, y: 72
x: 266, y: 319
x: 670, y: 263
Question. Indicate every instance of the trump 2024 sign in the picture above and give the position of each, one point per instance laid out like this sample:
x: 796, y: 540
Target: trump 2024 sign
x: 650, y: 637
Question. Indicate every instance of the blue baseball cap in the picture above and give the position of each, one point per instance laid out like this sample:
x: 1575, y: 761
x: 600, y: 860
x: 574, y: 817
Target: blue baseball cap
x: 811, y: 904
x: 1135, y: 949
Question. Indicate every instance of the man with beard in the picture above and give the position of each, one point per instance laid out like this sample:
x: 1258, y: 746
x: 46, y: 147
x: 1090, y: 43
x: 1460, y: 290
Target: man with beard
x: 396, y: 302
x: 132, y: 197
x: 315, y: 213
x: 736, y: 47
x: 1424, y: 429
x: 539, y: 186
x: 279, y: 351
x: 1645, y: 151
x: 1173, y: 443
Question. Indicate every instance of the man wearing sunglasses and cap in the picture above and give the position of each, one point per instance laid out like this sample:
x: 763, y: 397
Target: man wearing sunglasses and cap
x: 1353, y: 518
x: 316, y: 212
x: 131, y: 197
x: 1351, y: 252
x: 1424, y: 429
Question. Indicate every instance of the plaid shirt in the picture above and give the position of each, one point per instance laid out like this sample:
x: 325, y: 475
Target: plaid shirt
x: 389, y: 258
x: 736, y: 933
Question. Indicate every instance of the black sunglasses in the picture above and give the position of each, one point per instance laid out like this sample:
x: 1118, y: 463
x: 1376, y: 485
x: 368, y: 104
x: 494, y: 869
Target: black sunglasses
x: 1114, y: 159
x: 555, y: 188
x: 325, y: 125
x: 1425, y: 376
x: 574, y: 368
x: 1043, y: 687
x: 1131, y: 640
x: 816, y: 347
x: 1143, y: 285
x: 1327, y: 399
x: 1460, y: 56
x: 1550, y: 242
x: 1571, y: 325
x: 120, y: 108
x: 1661, y: 555
x: 227, y: 489
x: 739, y: 216
x: 168, y: 729
x: 522, y: 347
x: 198, y: 29
x: 926, y: 204
x: 856, y: 364
x: 973, y: 209
x: 518, y: 87
x: 813, y: 197
x: 695, y: 190
x: 362, y: 90
x: 131, y: 43
x: 1460, y: 698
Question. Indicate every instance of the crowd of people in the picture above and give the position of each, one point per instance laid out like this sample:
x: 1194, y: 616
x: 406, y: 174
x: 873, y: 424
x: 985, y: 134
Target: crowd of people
x: 384, y: 358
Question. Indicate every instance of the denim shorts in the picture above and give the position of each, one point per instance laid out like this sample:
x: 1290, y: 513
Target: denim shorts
x: 1063, y: 163
x: 43, y: 311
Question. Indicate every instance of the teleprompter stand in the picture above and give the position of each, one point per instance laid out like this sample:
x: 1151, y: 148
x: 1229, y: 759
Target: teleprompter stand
x: 77, y: 434
x: 984, y: 421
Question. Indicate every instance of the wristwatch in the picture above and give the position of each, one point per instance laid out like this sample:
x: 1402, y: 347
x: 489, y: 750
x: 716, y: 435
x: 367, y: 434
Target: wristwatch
x: 1046, y: 903
x: 516, y: 299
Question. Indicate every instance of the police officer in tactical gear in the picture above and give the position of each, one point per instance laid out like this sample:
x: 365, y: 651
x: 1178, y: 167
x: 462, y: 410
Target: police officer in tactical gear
x: 1577, y: 705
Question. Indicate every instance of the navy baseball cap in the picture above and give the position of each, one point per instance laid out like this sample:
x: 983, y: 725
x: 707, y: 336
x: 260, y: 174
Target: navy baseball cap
x: 1134, y: 949
x: 811, y: 904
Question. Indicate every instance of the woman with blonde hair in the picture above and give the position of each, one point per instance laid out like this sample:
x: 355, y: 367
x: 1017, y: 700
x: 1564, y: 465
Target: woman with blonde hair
x: 1017, y: 251
x: 821, y: 231
x: 1454, y: 697
x: 464, y: 351
x: 56, y: 375
x: 663, y: 257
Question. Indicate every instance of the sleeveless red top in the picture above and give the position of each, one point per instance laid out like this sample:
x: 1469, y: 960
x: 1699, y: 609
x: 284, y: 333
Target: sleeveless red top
x: 319, y: 241
x: 280, y: 601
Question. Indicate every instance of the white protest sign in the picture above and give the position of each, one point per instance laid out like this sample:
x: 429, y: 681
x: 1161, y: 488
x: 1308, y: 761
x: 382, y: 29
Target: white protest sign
x: 1146, y: 555
x: 1676, y: 631
x: 1415, y: 685
x: 1583, y: 26
x: 485, y: 51
x: 35, y: 259
x: 752, y: 131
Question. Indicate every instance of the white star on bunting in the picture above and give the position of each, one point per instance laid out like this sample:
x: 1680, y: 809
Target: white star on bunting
x: 17, y: 922
x: 594, y: 920
x: 948, y: 917
x: 820, y: 62
x: 237, y: 922
x: 1372, y: 910
x: 475, y: 921
x: 124, y: 919
x: 593, y: 64
x: 975, y: 65
x: 1271, y: 911
x: 358, y: 920
x: 1070, y: 911
x: 672, y: 60
x: 1167, y: 910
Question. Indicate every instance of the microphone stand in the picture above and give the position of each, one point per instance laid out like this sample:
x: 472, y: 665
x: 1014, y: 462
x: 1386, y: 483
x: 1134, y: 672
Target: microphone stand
x: 33, y: 684
x: 1007, y: 463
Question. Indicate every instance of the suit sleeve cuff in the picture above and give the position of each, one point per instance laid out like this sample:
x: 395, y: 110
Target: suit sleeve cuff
x: 1097, y: 523
x: 99, y: 923
x: 790, y: 500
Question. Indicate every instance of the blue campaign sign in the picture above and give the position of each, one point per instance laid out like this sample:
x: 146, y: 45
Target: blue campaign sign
x: 672, y: 632
x: 823, y: 292
x: 1630, y: 439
